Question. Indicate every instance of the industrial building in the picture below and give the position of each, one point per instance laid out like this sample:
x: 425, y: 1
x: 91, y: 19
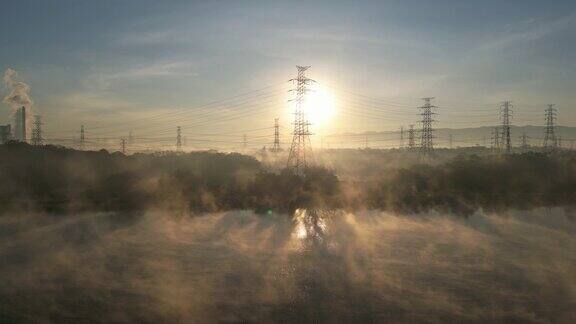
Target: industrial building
x: 5, y: 133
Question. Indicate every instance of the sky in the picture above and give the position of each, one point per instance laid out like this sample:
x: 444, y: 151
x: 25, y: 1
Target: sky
x: 146, y: 66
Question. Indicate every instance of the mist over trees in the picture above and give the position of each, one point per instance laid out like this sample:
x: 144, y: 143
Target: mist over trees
x: 59, y: 180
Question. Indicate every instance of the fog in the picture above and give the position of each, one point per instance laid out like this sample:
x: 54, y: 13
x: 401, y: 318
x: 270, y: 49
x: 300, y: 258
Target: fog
x: 240, y: 266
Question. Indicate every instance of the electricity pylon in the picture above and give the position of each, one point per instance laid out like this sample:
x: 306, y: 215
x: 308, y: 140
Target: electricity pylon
x: 179, y: 139
x: 496, y: 140
x: 37, y: 131
x: 276, y: 147
x: 505, y: 115
x: 82, y: 138
x: 123, y: 145
x: 427, y: 132
x: 411, y: 138
x: 524, y: 146
x: 301, y: 148
x: 550, y: 141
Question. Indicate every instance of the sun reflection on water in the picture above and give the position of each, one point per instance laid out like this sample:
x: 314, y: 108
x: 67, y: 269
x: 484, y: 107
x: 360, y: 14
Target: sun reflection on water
x: 310, y: 227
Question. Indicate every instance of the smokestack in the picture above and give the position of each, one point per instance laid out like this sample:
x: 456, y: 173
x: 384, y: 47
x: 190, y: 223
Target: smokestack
x: 18, y: 98
x: 20, y: 125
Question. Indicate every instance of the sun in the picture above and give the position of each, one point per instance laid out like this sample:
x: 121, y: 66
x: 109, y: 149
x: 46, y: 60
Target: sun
x: 319, y: 106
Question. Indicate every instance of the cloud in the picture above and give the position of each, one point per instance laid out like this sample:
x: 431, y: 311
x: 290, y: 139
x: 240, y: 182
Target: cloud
x: 528, y: 31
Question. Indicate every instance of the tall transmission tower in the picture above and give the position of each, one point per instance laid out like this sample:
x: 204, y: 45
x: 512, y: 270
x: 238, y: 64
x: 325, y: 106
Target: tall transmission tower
x: 123, y: 145
x: 427, y: 132
x: 550, y: 141
x: 179, y: 139
x: 524, y: 145
x: 401, y: 136
x: 276, y: 147
x: 301, y: 148
x: 496, y: 140
x: 82, y: 138
x: 505, y: 115
x: 411, y: 138
x: 37, y: 131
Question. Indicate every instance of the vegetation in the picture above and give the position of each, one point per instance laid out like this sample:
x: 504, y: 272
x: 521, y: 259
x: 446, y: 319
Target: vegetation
x: 59, y: 180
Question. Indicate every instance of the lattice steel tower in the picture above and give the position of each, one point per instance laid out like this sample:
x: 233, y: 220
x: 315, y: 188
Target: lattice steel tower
x: 37, y: 131
x: 496, y: 140
x: 276, y: 147
x: 550, y: 141
x: 524, y: 142
x: 427, y: 132
x: 178, y: 139
x: 82, y: 138
x: 411, y: 138
x: 505, y: 115
x: 301, y: 148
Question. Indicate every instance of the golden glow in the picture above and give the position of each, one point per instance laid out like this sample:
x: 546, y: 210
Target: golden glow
x: 319, y: 106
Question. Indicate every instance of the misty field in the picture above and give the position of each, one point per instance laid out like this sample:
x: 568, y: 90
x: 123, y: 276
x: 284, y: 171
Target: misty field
x: 243, y: 267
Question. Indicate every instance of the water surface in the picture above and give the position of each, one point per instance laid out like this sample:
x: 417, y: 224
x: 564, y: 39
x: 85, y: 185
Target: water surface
x: 237, y: 266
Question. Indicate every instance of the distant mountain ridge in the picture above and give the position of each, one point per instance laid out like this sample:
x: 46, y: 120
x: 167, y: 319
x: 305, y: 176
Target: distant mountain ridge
x: 462, y: 137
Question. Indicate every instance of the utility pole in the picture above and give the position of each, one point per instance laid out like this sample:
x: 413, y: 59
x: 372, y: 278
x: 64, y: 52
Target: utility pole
x: 37, y: 131
x: 401, y: 136
x: 505, y: 114
x: 411, y: 138
x: 427, y: 132
x: 179, y: 139
x: 450, y: 140
x: 524, y: 143
x: 550, y: 142
x: 123, y: 145
x: 82, y: 138
x: 301, y: 148
x: 276, y: 147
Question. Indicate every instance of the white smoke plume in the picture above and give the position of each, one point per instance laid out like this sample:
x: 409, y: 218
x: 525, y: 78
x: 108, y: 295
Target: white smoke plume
x: 18, y: 96
x: 18, y: 91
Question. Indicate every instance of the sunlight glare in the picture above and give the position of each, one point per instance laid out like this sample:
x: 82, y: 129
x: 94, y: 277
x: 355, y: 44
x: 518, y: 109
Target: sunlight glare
x: 319, y: 106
